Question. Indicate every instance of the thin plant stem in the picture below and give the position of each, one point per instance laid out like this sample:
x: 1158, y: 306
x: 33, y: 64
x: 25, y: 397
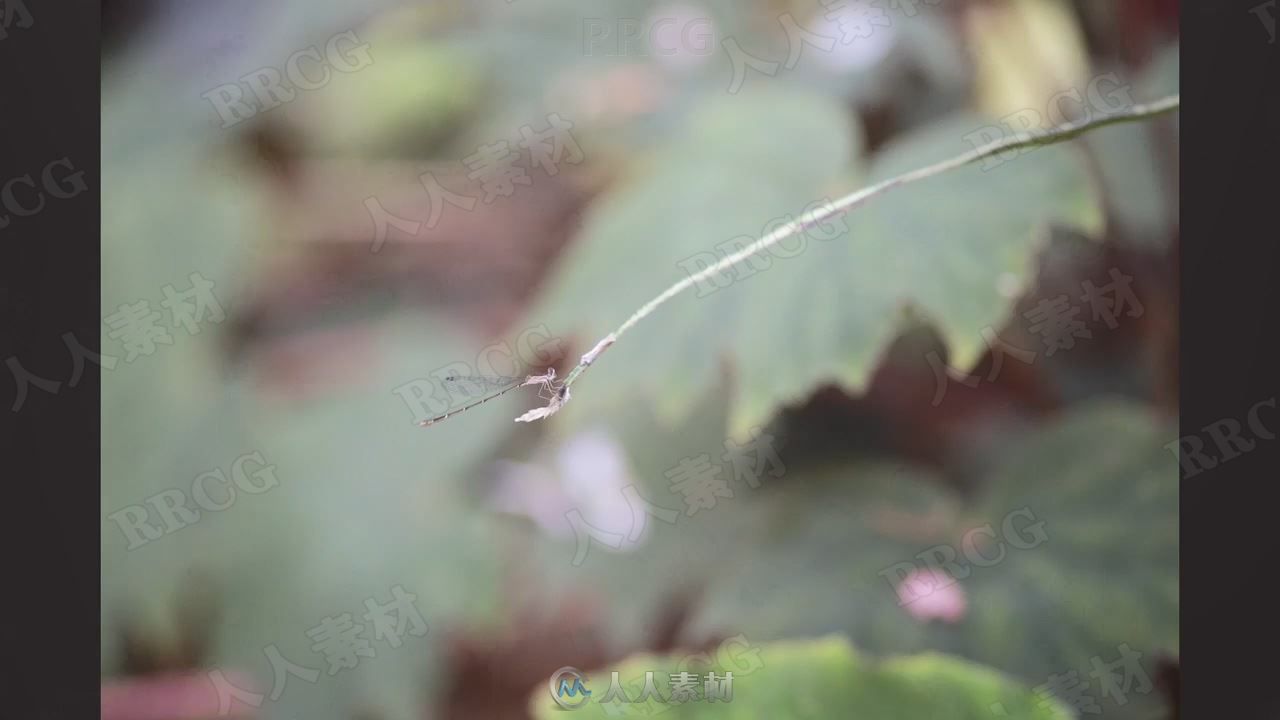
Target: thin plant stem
x: 1029, y: 139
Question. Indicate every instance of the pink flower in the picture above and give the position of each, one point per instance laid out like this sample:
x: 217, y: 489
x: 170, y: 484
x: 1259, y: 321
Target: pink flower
x: 932, y: 594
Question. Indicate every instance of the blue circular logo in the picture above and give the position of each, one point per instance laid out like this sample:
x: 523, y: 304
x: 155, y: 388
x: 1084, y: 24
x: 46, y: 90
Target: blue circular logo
x: 568, y: 689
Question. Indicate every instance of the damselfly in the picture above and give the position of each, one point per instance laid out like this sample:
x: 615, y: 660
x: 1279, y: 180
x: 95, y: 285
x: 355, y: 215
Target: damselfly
x: 497, y: 386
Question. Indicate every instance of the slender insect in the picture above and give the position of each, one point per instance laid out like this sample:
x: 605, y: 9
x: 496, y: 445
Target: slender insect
x: 497, y: 386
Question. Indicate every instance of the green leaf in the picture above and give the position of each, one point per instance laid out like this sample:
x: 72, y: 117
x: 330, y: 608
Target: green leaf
x: 818, y: 549
x: 819, y: 678
x: 1106, y: 488
x: 366, y: 500
x: 823, y: 541
x: 821, y: 306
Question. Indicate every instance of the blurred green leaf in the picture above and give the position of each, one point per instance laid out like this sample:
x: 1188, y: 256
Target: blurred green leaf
x: 822, y: 307
x: 366, y: 499
x: 1106, y: 487
x: 820, y: 549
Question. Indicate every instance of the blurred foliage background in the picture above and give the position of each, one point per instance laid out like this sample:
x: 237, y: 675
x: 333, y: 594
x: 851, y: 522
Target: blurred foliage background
x: 332, y: 341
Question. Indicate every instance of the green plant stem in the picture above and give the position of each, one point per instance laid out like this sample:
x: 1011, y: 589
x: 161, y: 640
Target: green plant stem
x: 1019, y: 141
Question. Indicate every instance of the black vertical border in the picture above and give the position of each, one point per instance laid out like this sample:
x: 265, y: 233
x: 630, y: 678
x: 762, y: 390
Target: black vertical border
x: 1230, y: 358
x: 49, y: 285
